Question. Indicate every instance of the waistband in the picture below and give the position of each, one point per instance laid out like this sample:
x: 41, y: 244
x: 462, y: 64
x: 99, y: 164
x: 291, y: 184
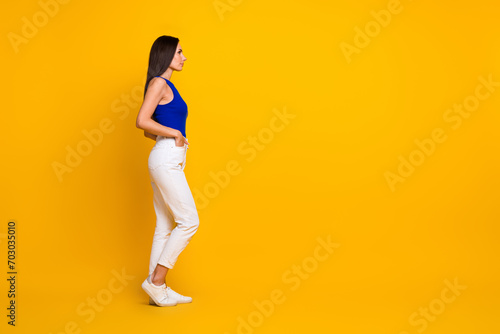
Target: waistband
x: 169, y: 139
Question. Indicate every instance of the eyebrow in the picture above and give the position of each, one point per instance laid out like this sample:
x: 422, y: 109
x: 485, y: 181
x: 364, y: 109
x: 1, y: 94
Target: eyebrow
x: 180, y: 49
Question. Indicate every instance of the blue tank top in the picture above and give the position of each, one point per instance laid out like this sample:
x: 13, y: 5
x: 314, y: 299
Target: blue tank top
x: 174, y: 113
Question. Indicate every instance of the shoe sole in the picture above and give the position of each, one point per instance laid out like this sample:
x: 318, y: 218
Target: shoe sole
x: 145, y: 286
x: 152, y: 302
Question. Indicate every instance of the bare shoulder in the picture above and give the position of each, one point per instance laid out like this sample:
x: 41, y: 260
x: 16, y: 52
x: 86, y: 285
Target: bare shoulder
x: 161, y: 89
x: 157, y: 83
x: 156, y: 89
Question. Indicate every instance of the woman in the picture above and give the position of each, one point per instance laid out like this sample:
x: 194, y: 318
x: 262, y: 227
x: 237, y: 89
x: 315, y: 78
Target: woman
x: 162, y: 116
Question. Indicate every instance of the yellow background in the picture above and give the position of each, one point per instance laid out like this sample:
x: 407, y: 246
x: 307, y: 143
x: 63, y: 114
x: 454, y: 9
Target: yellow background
x: 322, y: 175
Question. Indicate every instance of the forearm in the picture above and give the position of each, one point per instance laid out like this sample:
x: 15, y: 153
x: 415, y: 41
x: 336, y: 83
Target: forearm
x: 155, y: 128
x: 150, y: 135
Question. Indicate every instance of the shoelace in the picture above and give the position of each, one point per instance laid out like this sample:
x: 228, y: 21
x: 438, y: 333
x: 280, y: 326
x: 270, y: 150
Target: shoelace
x: 165, y: 294
x: 175, y: 294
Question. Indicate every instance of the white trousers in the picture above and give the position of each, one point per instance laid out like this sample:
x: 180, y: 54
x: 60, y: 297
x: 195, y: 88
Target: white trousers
x: 176, y: 215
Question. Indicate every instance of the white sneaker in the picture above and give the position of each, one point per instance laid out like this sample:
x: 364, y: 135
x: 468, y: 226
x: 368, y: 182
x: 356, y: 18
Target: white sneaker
x: 159, y: 294
x: 178, y: 297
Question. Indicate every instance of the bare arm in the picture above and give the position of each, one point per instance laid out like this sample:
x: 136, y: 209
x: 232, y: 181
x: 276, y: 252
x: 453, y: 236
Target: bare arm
x: 144, y: 118
x: 150, y: 135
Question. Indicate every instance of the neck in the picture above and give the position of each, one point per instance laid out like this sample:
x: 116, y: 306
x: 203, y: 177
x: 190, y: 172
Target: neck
x: 167, y: 74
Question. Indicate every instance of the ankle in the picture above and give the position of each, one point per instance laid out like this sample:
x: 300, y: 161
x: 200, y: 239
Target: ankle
x: 157, y: 279
x: 157, y: 283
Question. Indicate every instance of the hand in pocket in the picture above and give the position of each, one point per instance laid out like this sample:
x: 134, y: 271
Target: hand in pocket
x: 180, y: 141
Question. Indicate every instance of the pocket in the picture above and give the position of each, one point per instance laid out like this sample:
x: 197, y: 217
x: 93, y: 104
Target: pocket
x: 178, y: 156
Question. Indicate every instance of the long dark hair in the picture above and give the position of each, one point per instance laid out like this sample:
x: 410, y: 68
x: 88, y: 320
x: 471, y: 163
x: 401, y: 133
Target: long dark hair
x: 161, y: 55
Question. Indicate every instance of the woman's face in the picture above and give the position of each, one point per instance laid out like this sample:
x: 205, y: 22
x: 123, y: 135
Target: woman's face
x: 178, y: 60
